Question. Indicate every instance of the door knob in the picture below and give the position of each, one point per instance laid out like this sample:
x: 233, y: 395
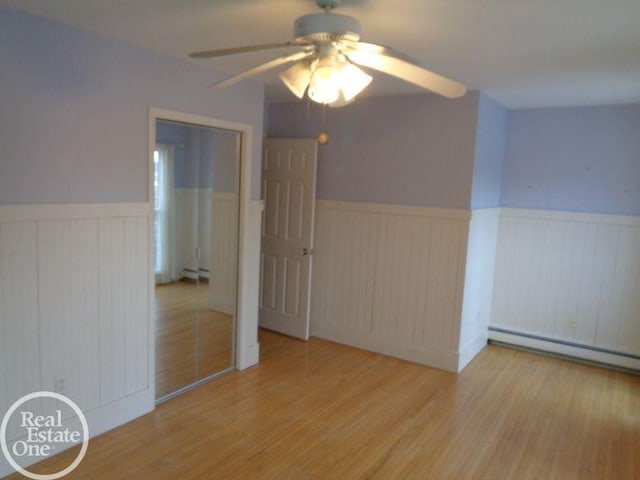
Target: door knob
x: 307, y: 251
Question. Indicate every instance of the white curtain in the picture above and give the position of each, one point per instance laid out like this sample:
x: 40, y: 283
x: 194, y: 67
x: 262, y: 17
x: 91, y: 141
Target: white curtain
x: 165, y: 245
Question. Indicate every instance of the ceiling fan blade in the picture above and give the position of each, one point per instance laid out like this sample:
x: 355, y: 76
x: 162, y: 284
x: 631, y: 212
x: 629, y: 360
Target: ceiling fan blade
x: 223, y: 52
x: 276, y: 62
x: 378, y: 50
x: 389, y: 61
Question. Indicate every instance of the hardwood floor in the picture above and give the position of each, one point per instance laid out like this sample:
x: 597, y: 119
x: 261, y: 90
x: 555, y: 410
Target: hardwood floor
x: 192, y: 341
x: 326, y: 411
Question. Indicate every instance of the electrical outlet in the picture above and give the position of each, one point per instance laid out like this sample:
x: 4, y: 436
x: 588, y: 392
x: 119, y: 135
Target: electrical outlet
x: 58, y: 384
x: 573, y: 323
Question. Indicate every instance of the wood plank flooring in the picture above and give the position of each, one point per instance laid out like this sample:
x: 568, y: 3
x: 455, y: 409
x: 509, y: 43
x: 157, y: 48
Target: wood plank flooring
x: 192, y: 341
x: 319, y: 410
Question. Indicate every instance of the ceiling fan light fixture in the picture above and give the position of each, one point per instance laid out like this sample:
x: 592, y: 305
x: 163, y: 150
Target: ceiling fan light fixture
x: 325, y: 95
x: 328, y: 54
x: 341, y: 102
x: 334, y: 81
x: 353, y: 81
x: 325, y: 83
x: 297, y: 78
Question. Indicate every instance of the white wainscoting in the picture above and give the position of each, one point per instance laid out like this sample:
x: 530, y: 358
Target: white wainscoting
x: 478, y: 283
x: 247, y: 346
x: 390, y: 279
x: 74, y: 306
x: 570, y: 277
x: 193, y: 229
x: 224, y: 252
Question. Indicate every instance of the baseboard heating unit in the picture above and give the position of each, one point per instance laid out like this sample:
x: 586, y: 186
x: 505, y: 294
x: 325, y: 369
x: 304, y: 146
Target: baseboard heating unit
x: 567, y: 349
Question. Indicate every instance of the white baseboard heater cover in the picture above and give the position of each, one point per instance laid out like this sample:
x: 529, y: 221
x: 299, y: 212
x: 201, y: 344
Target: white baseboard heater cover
x: 566, y: 348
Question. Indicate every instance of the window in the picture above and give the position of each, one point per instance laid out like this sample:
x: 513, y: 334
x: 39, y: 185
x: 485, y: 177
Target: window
x: 163, y: 200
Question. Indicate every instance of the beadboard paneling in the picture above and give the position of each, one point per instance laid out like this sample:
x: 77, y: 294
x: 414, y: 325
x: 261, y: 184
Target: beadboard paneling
x: 68, y: 307
x: 194, y: 222
x: 19, y: 316
x: 123, y: 270
x: 569, y: 276
x: 389, y: 278
x: 186, y: 207
x: 74, y: 306
x: 224, y: 252
x: 478, y: 283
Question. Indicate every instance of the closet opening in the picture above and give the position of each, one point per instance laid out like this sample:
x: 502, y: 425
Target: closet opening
x: 196, y: 195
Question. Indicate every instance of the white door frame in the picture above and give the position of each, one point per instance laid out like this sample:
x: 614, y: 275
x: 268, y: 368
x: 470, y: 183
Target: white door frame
x: 246, y: 311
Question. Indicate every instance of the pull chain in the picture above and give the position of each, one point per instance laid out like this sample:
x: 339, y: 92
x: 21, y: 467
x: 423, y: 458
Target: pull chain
x: 323, y: 138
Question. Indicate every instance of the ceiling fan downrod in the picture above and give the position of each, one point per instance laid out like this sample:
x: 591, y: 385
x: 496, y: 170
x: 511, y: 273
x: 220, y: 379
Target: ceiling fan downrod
x: 328, y: 5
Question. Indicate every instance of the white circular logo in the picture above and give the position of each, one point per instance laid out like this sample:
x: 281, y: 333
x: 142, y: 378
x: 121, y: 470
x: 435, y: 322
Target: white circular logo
x: 42, y: 435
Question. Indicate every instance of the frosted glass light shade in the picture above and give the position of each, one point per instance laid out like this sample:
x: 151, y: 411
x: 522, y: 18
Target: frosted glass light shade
x: 325, y: 83
x: 297, y: 78
x: 329, y: 81
x: 353, y: 81
x: 325, y: 96
x: 341, y: 102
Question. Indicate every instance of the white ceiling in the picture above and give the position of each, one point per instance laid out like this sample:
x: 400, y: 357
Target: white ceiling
x: 523, y: 53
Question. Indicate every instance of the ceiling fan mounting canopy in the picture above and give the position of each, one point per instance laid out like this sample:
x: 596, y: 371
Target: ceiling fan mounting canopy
x: 328, y: 54
x: 324, y: 27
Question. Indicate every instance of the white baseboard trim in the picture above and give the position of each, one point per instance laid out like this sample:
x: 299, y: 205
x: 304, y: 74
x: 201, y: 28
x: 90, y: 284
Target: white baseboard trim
x: 430, y: 355
x: 574, y: 351
x: 103, y: 419
x: 222, y: 307
x: 221, y: 303
x: 469, y: 351
x: 118, y: 413
x: 250, y: 358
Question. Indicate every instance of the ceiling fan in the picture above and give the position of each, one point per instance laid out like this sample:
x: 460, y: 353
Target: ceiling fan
x: 328, y: 53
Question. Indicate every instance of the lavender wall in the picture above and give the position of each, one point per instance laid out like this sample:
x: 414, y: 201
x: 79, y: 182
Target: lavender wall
x: 169, y: 132
x: 205, y: 167
x: 73, y: 123
x: 410, y: 150
x: 175, y: 134
x: 584, y: 159
x: 491, y: 139
x: 204, y: 157
x: 189, y: 172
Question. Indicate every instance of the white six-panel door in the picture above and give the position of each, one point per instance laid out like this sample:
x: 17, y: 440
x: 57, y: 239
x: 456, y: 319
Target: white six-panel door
x: 288, y: 189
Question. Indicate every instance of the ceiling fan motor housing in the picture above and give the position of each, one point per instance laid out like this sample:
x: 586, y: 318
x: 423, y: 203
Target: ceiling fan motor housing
x: 325, y: 27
